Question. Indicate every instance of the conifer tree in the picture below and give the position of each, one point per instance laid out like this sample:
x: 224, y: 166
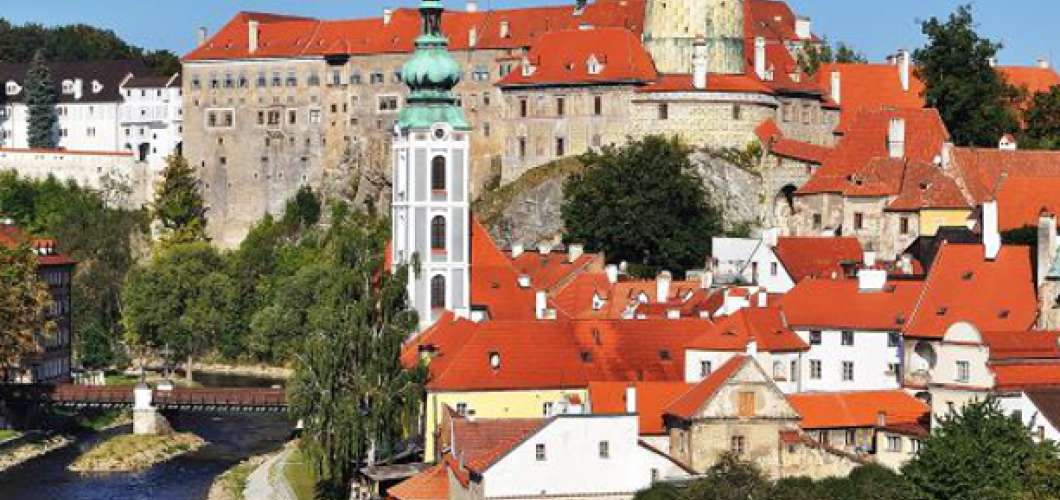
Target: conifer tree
x: 41, y: 100
x: 179, y: 204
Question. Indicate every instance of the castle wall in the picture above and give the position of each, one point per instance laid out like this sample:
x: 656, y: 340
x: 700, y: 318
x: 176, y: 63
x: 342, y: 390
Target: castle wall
x: 671, y: 27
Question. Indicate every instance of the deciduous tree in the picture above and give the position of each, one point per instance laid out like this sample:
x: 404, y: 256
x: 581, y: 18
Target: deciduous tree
x: 1042, y: 121
x: 814, y: 55
x: 24, y: 300
x: 643, y: 203
x: 974, y: 100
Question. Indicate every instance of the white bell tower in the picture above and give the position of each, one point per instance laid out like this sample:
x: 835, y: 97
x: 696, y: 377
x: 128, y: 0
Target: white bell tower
x: 431, y: 199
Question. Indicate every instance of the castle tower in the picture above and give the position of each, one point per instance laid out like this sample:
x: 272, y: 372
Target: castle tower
x: 430, y: 209
x: 672, y: 26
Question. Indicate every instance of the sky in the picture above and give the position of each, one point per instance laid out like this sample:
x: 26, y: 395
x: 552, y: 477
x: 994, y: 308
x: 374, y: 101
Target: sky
x: 1028, y: 28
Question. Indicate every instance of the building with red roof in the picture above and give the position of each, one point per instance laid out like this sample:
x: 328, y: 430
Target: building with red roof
x: 50, y: 359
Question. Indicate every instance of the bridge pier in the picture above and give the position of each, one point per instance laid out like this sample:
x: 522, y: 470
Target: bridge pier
x: 147, y: 421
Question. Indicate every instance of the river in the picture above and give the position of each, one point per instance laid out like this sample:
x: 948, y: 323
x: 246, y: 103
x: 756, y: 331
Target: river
x: 232, y: 437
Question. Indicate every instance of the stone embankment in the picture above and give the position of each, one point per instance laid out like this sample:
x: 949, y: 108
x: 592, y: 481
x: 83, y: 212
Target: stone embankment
x: 127, y: 453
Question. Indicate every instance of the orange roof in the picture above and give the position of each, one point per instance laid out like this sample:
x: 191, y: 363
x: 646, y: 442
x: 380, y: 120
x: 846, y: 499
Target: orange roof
x: 870, y: 86
x: 1021, y: 200
x: 993, y: 295
x: 11, y: 237
x: 562, y: 57
x: 833, y: 410
x: 494, y: 281
x: 816, y: 257
x: 982, y: 170
x: 1018, y: 376
x: 554, y: 269
x: 286, y: 36
x: 431, y: 484
x: 688, y: 404
x: 635, y: 350
x: 479, y: 443
x: 1033, y: 78
x: 925, y: 186
x: 1022, y: 345
x: 850, y: 170
x: 652, y: 398
x: 826, y: 303
x: 764, y: 325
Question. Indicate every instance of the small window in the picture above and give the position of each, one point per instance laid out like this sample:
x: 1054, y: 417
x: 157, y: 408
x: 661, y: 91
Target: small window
x: 561, y: 146
x: 894, y: 444
x: 522, y: 148
x: 461, y: 408
x: 852, y: 437
x: 774, y: 268
x: 546, y: 409
x: 736, y: 445
x: 539, y: 452
x: 438, y: 292
x: 817, y: 222
x: 737, y: 112
x: 848, y: 338
x: 705, y: 368
x: 524, y: 107
x: 893, y: 339
x: 963, y: 371
x: 848, y: 371
x: 815, y: 337
x: 438, y: 234
x: 747, y: 404
x: 815, y: 369
x: 598, y: 105
x: 605, y: 449
x: 859, y: 221
x: 561, y: 106
x: 903, y: 225
x: 438, y: 173
x: 664, y: 111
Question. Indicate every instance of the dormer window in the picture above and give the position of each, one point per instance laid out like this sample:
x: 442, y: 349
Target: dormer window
x: 527, y: 67
x: 495, y: 360
x: 68, y: 86
x: 505, y: 31
x: 96, y: 87
x: 593, y: 65
x: 12, y: 88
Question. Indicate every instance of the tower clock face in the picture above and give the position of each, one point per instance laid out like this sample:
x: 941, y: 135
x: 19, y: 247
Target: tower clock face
x: 439, y: 133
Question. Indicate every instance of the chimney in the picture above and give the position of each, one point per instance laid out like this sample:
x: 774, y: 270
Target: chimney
x: 871, y: 279
x: 612, y: 273
x: 752, y: 348
x: 699, y: 63
x: 802, y: 28
x: 201, y: 36
x: 388, y: 14
x: 1007, y: 143
x: 992, y: 61
x: 472, y: 37
x: 517, y: 250
x: 631, y: 399
x: 763, y: 299
x: 869, y: 259
x: 760, y: 57
x: 523, y: 280
x: 896, y: 138
x: 706, y: 280
x: 991, y: 235
x: 881, y: 419
x: 472, y: 6
x: 673, y: 314
x: 1043, y: 63
x: 1047, y: 244
x: 837, y: 86
x: 541, y: 310
x: 662, y: 286
x: 252, y: 36
x: 947, y: 154
x: 575, y: 252
x: 904, y: 62
x: 771, y: 236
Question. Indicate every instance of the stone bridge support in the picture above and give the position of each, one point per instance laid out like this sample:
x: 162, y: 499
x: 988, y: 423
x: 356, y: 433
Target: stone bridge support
x: 146, y: 418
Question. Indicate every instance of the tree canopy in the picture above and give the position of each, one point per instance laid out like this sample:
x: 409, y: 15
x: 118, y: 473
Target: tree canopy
x: 975, y: 102
x: 76, y: 42
x: 23, y: 302
x: 179, y: 204
x: 1042, y: 121
x: 814, y: 55
x: 643, y: 203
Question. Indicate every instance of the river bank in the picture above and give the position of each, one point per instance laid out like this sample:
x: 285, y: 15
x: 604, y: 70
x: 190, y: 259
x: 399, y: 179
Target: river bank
x: 29, y: 447
x: 129, y: 453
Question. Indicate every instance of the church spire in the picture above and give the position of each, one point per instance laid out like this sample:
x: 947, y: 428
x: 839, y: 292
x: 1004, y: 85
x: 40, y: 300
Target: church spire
x: 431, y: 74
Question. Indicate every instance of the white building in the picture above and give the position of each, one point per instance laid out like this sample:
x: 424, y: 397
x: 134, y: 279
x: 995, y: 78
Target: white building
x: 777, y: 263
x: 1038, y: 409
x: 151, y: 119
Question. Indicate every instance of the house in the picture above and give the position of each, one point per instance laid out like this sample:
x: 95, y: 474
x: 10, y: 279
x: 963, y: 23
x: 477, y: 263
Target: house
x: 777, y: 263
x: 564, y: 456
x: 50, y: 359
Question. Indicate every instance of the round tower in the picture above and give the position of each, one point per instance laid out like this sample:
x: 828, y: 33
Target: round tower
x: 672, y: 26
x: 431, y: 205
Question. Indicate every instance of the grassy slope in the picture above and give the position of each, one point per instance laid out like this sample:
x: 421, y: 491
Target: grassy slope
x: 300, y: 475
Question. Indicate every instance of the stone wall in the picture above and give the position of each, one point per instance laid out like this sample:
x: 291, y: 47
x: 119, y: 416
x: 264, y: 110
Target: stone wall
x: 1049, y: 305
x: 122, y: 180
x: 712, y: 120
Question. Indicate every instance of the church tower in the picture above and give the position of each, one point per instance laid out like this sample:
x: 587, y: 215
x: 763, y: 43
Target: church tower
x: 671, y: 27
x: 430, y: 208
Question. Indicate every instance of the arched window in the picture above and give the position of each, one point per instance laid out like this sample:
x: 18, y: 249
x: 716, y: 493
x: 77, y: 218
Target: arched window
x: 438, y: 292
x: 438, y: 233
x: 438, y: 173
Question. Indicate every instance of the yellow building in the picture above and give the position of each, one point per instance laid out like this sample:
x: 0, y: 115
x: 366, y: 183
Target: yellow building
x: 932, y: 219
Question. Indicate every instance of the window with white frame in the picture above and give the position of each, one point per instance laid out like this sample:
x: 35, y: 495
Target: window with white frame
x: 539, y: 452
x: 848, y: 338
x: 815, y: 369
x: 848, y: 371
x: 605, y: 449
x: 387, y: 103
x: 705, y: 368
x: 894, y: 444
x: 963, y: 371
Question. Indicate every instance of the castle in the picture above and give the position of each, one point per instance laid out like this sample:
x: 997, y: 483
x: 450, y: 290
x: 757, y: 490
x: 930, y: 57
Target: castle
x: 277, y: 102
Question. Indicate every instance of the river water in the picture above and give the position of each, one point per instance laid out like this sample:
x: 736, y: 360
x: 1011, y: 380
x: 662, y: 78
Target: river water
x: 232, y: 437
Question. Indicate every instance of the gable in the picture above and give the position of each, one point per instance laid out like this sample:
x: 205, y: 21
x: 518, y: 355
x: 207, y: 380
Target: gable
x: 769, y: 401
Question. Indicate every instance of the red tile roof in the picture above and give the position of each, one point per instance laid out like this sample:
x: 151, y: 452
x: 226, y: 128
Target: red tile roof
x: 870, y: 86
x: 826, y: 303
x: 495, y: 282
x: 982, y: 170
x: 652, y: 398
x: 1032, y: 78
x: 287, y: 36
x: 431, y: 484
x: 1017, y: 376
x: 766, y: 326
x: 690, y: 403
x: 1021, y: 200
x: 925, y: 186
x: 562, y: 57
x: 715, y: 83
x: 634, y: 350
x: 993, y: 295
x: 816, y: 257
x: 1024, y: 345
x: 11, y: 237
x: 479, y: 443
x: 865, y: 140
x: 554, y: 270
x: 834, y: 410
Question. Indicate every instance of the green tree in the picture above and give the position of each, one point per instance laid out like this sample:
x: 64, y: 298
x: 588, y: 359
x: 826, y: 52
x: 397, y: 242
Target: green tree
x: 357, y: 401
x: 40, y: 101
x: 814, y: 55
x: 23, y: 302
x: 179, y: 204
x: 1042, y: 121
x: 643, y: 203
x: 981, y: 453
x: 974, y: 100
x: 730, y: 479
x: 180, y: 298
x: 303, y: 210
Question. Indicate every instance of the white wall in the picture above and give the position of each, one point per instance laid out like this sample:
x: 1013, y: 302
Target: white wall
x: 80, y: 126
x: 1029, y: 414
x: 152, y: 116
x: 87, y: 170
x: 573, y: 465
x: 753, y: 261
x: 776, y: 365
x: 870, y: 354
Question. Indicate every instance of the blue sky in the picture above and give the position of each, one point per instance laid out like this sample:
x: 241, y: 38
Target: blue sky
x: 1027, y: 27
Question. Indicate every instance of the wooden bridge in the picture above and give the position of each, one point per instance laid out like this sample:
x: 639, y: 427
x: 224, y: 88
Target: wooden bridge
x: 207, y: 399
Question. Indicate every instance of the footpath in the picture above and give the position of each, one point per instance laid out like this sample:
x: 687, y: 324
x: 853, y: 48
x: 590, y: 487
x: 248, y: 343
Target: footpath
x: 268, y: 482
